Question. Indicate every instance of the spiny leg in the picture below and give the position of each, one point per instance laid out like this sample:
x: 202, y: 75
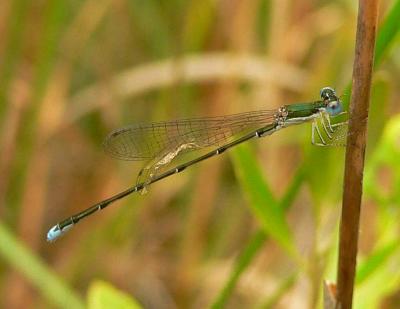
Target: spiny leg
x: 338, y: 136
x: 324, y: 125
x: 339, y: 124
x: 328, y: 120
x: 314, y: 127
x: 332, y: 126
x: 338, y: 130
x: 144, y: 177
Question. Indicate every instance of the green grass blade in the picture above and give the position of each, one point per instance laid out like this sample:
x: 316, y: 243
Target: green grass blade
x: 383, y: 281
x: 25, y: 261
x: 103, y: 295
x: 387, y: 32
x: 198, y: 22
x: 294, y: 187
x: 155, y: 34
x: 13, y: 48
x: 55, y: 15
x: 374, y: 262
x: 246, y: 257
x: 285, y: 285
x: 255, y: 244
x: 262, y: 203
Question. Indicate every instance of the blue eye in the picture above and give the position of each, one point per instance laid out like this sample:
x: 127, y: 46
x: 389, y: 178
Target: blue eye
x: 334, y: 107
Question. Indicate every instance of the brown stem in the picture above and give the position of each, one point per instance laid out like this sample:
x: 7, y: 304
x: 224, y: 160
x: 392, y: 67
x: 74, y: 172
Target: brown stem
x: 355, y: 152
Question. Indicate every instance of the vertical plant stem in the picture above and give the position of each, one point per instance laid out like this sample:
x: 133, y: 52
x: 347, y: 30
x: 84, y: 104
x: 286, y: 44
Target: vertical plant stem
x: 355, y: 152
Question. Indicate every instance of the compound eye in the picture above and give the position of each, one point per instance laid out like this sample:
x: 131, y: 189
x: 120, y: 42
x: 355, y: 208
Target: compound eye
x: 327, y: 93
x: 333, y: 105
x: 334, y: 108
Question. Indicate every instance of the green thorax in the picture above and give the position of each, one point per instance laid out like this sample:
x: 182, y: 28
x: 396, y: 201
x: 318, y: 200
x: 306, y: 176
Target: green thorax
x: 304, y: 109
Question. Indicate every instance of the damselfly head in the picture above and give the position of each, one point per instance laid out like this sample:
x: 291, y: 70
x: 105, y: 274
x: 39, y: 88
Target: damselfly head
x: 328, y: 93
x: 332, y: 101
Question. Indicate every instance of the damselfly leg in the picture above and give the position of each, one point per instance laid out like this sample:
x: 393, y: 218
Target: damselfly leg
x: 331, y: 134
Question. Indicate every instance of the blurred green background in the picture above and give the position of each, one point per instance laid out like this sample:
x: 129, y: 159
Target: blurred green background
x: 254, y: 228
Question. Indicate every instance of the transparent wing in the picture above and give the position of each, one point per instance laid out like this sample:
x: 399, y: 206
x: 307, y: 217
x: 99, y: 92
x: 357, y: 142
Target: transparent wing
x: 149, y: 141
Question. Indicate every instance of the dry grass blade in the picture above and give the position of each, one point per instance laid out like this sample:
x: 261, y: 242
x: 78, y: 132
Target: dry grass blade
x: 190, y: 69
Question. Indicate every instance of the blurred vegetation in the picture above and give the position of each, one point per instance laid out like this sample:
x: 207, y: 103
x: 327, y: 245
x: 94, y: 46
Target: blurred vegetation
x: 254, y: 228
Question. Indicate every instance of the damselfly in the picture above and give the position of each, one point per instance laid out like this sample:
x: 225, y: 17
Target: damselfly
x: 162, y: 143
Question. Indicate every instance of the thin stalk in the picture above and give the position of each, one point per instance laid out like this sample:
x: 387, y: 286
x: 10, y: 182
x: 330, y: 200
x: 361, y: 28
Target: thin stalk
x: 355, y: 152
